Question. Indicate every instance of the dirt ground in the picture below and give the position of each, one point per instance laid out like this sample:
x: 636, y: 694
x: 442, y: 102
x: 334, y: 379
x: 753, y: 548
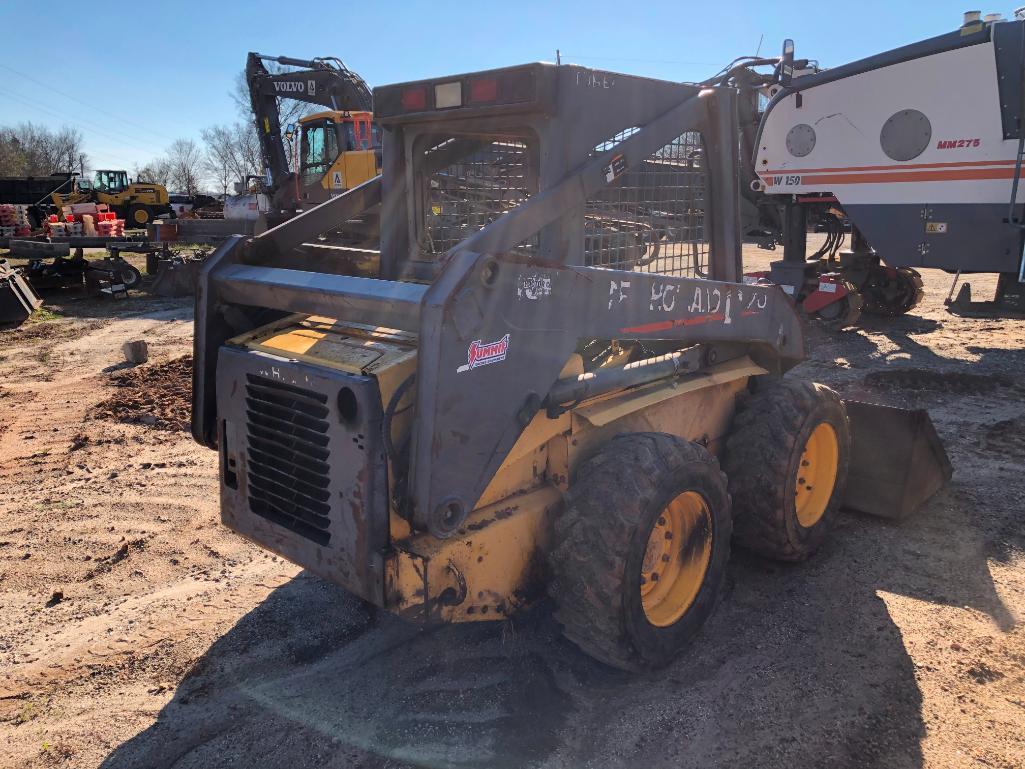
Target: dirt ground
x: 138, y: 632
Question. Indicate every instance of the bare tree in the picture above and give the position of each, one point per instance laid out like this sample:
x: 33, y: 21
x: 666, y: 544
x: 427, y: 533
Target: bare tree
x: 65, y: 150
x: 185, y: 163
x: 14, y: 156
x: 232, y: 154
x: 250, y: 154
x: 217, y: 159
x: 29, y: 149
x: 157, y: 171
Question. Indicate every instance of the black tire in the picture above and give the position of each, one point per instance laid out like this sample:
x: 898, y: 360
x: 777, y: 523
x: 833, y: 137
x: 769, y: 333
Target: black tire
x: 765, y: 450
x: 600, y: 541
x: 130, y: 276
x: 892, y: 293
x: 837, y: 316
x: 131, y: 222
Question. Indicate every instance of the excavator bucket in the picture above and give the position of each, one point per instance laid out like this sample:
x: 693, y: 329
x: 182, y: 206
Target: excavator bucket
x: 897, y: 460
x: 17, y: 299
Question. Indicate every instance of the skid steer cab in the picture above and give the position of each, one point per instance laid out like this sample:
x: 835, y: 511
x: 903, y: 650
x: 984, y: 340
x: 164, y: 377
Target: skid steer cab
x: 550, y: 378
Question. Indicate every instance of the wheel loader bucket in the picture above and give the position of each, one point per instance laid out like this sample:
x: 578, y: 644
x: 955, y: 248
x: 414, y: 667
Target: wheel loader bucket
x: 897, y: 460
x: 17, y: 299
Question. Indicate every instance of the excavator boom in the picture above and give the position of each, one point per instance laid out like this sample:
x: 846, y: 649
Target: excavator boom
x: 325, y: 81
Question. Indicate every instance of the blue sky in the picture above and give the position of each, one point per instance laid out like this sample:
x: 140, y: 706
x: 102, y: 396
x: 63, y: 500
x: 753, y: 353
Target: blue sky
x: 134, y: 78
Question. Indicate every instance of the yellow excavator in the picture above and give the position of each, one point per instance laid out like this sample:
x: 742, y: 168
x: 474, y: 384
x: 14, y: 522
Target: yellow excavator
x: 138, y: 203
x: 339, y: 148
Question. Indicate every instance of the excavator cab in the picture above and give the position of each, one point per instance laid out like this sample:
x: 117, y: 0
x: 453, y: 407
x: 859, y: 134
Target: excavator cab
x: 338, y: 150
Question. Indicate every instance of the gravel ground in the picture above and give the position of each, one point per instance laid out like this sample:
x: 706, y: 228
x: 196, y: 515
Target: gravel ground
x: 139, y: 632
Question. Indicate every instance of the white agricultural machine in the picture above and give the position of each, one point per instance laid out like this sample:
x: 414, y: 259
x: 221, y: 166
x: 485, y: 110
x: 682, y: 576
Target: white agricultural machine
x: 919, y: 149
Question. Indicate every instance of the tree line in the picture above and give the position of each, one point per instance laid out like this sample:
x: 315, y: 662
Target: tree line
x: 32, y: 150
x: 226, y: 154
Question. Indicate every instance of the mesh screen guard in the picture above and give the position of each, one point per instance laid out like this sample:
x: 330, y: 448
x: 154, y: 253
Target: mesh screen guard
x: 470, y: 182
x: 650, y: 219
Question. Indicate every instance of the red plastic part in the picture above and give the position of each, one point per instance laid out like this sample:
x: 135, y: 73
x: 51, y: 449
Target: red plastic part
x: 483, y: 90
x: 818, y: 298
x: 414, y: 99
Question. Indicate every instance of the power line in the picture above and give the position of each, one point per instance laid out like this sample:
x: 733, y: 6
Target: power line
x: 54, y: 114
x: 85, y: 103
x: 96, y: 128
x: 121, y: 161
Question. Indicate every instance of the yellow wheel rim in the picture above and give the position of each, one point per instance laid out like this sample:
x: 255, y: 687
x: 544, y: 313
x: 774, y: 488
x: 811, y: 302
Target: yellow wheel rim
x: 141, y: 216
x: 816, y: 475
x: 676, y: 559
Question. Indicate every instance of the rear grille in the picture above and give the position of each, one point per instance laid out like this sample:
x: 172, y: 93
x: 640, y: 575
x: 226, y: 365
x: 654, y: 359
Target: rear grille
x: 287, y: 451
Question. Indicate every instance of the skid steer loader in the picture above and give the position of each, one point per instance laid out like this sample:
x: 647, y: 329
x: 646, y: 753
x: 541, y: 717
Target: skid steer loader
x: 547, y: 381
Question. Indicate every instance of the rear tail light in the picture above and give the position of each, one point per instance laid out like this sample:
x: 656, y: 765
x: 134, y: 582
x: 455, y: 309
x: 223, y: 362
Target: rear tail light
x: 483, y: 90
x: 495, y: 88
x: 414, y: 99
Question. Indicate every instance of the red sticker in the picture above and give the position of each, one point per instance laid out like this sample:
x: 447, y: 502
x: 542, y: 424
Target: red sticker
x: 483, y: 353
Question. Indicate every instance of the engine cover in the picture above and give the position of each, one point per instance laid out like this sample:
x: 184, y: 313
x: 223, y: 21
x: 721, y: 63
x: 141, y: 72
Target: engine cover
x: 302, y: 468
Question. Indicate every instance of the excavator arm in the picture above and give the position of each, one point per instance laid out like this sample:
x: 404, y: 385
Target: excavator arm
x: 324, y: 81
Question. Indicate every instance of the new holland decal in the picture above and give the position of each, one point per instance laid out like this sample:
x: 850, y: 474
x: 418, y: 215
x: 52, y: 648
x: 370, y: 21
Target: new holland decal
x: 484, y: 353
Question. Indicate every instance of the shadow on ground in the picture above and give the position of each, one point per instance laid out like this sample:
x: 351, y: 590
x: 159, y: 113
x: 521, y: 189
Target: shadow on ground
x: 801, y: 666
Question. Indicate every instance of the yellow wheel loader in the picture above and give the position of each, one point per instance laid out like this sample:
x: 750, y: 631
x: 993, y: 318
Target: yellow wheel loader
x: 138, y: 203
x: 549, y: 380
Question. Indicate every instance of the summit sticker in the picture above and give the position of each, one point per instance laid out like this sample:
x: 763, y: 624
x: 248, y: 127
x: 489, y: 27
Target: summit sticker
x: 484, y: 353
